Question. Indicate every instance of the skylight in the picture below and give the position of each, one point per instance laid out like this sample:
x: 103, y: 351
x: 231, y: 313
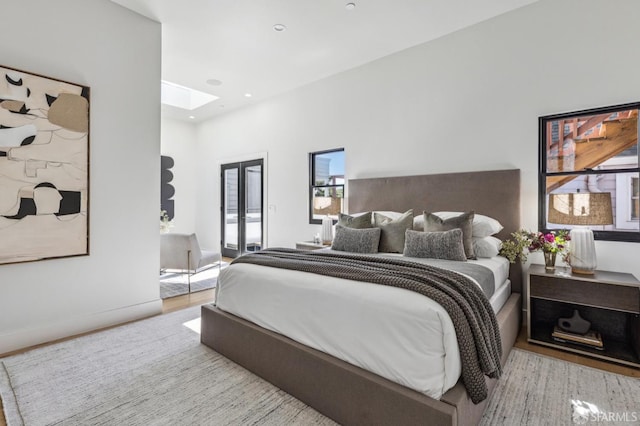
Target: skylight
x: 184, y: 97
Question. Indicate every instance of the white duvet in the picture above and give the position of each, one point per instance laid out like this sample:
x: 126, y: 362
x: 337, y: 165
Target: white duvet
x: 395, y: 333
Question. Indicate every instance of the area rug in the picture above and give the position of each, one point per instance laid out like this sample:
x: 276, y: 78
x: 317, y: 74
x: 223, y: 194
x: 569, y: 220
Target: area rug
x: 156, y: 372
x: 175, y: 284
x: 538, y: 390
x: 153, y: 371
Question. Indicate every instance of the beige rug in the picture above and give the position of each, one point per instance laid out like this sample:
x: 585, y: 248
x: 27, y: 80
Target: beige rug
x: 151, y: 372
x: 538, y: 390
x: 156, y: 372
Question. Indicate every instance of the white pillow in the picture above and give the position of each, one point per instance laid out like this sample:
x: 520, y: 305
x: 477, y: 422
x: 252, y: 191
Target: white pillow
x: 391, y: 215
x: 483, y: 226
x: 486, y: 246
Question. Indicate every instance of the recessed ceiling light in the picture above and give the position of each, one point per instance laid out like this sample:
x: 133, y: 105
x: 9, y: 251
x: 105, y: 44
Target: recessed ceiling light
x: 279, y: 28
x: 247, y: 95
x: 350, y: 6
x: 214, y: 82
x: 192, y: 117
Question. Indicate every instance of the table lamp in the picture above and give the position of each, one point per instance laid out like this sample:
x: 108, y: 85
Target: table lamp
x: 580, y: 209
x: 327, y: 230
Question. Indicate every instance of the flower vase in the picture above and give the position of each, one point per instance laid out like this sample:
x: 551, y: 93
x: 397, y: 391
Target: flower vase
x: 549, y: 261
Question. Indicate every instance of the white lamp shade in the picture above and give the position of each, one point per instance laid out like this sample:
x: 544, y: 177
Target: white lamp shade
x: 583, y: 251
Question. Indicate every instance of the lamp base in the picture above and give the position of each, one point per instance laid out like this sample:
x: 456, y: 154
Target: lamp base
x: 583, y: 251
x: 582, y: 271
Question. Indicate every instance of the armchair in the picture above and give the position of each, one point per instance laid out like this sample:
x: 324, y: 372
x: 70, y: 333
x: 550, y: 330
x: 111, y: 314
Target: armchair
x: 181, y: 252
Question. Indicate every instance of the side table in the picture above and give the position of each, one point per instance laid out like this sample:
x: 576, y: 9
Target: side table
x: 609, y: 300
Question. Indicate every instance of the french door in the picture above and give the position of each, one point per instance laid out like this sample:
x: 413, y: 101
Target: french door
x: 242, y: 207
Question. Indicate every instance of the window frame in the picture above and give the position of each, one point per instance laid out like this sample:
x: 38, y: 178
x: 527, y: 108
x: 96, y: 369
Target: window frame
x: 312, y: 187
x: 629, y: 236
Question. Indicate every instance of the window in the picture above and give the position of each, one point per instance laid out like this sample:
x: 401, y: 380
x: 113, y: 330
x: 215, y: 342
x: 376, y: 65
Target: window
x: 627, y: 203
x: 326, y: 191
x: 589, y: 172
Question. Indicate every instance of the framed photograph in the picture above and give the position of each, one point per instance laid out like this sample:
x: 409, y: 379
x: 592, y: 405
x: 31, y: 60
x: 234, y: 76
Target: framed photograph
x: 44, y: 167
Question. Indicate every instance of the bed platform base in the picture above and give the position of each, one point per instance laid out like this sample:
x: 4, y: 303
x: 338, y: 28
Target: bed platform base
x: 345, y: 393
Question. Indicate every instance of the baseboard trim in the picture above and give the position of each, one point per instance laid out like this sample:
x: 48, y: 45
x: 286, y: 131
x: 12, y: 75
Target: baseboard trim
x: 50, y: 332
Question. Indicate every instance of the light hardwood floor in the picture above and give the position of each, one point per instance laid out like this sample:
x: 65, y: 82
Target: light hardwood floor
x: 195, y: 299
x: 181, y: 302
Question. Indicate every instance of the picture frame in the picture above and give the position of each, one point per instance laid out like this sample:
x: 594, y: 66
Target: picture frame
x: 44, y: 167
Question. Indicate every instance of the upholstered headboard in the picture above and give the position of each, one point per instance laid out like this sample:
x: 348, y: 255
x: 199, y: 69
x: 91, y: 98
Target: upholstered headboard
x: 493, y: 193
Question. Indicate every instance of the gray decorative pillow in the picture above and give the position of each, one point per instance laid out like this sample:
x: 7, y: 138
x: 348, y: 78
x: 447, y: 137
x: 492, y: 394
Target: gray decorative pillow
x: 355, y: 222
x: 393, y: 231
x: 433, y: 223
x: 435, y: 245
x: 356, y: 240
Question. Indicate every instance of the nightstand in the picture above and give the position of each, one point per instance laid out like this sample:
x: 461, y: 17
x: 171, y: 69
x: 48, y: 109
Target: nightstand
x: 609, y: 300
x: 310, y: 245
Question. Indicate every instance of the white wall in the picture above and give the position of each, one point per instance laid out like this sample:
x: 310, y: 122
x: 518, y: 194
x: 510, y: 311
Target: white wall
x: 117, y: 54
x: 468, y: 101
x: 179, y: 142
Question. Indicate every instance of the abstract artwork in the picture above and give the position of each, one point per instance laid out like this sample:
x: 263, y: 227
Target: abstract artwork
x: 167, y: 190
x: 44, y: 167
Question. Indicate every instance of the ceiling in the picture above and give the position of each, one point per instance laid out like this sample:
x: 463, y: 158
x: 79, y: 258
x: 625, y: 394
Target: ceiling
x: 234, y: 41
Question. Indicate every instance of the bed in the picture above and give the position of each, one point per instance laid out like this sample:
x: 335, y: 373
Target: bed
x: 342, y: 390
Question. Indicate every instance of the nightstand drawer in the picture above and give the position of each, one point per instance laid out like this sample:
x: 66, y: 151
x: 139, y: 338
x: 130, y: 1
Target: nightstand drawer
x: 601, y: 295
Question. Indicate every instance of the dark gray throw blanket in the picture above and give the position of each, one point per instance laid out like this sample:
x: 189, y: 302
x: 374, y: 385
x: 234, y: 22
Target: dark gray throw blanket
x: 473, y: 318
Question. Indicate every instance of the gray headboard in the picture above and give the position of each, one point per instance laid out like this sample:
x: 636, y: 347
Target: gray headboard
x: 493, y: 193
